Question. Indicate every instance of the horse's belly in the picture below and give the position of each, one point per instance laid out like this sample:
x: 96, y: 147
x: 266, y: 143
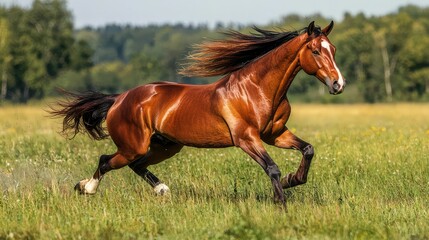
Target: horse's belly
x: 202, y: 130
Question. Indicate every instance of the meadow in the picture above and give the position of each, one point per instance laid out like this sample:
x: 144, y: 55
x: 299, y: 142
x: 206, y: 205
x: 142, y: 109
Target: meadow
x: 369, y: 180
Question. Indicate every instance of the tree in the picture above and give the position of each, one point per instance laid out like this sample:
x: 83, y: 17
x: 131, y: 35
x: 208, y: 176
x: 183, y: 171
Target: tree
x: 389, y: 39
x: 5, y: 57
x: 414, y: 63
x: 81, y: 56
x: 355, y: 55
x: 36, y: 44
x: 50, y: 28
x: 17, y: 50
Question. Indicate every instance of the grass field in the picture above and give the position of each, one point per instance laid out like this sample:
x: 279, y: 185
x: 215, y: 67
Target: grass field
x: 369, y: 180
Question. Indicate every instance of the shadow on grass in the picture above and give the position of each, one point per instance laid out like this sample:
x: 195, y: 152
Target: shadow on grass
x: 262, y: 195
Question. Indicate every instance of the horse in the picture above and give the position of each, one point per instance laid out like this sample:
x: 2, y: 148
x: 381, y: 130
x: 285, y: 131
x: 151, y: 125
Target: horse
x: 245, y: 108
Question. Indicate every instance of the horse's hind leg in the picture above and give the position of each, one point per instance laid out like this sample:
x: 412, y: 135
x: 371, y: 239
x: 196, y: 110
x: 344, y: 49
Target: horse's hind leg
x: 106, y: 163
x: 159, y: 187
x: 160, y: 150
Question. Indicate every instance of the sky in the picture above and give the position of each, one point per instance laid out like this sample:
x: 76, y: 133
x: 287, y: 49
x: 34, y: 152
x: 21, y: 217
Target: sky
x: 259, y: 12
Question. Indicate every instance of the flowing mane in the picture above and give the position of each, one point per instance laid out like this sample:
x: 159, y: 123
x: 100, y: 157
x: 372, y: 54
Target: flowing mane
x: 221, y: 57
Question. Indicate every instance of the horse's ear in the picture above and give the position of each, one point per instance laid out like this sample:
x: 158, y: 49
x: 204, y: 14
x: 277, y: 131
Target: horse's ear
x: 310, y: 28
x: 328, y: 29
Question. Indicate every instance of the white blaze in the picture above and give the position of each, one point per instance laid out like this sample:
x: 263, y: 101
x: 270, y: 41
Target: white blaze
x: 327, y: 46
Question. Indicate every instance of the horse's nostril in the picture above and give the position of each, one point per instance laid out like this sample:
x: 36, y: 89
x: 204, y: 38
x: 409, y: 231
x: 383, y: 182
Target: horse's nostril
x: 336, y: 86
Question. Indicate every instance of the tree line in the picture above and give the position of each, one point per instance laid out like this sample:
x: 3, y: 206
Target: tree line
x: 36, y: 46
x: 384, y: 58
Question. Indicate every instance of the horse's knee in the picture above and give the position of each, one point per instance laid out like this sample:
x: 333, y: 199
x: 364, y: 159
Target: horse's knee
x: 273, y: 171
x: 308, y: 152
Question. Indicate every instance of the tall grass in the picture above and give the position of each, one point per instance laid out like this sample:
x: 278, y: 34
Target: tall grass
x: 369, y: 180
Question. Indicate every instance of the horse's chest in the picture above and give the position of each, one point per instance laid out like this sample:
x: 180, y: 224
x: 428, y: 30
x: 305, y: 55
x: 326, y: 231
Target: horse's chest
x: 278, y: 119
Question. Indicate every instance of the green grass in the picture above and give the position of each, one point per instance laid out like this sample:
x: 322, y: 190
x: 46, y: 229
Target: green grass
x: 369, y: 180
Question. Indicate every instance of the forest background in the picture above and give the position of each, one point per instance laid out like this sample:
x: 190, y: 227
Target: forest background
x: 384, y: 58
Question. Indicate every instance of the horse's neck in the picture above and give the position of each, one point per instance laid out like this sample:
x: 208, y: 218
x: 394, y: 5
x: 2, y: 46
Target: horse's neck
x: 276, y: 70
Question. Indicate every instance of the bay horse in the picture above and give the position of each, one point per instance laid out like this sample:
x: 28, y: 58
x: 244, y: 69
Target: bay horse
x: 246, y: 107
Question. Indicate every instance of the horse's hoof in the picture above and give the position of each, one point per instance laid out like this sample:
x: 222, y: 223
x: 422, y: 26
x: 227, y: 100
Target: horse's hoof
x: 161, y: 189
x: 80, y: 186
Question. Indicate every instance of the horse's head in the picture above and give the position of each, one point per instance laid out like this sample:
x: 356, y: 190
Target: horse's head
x: 317, y: 58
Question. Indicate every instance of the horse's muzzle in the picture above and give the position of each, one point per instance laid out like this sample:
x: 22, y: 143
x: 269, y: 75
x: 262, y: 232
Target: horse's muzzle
x: 335, y: 87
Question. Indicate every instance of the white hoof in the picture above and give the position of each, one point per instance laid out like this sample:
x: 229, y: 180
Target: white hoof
x: 80, y: 186
x: 87, y: 186
x: 161, y: 189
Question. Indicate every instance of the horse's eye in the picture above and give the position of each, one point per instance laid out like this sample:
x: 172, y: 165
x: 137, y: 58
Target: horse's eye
x: 315, y: 52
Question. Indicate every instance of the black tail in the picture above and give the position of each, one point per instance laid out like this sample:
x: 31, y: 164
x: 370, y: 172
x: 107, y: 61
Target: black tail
x: 84, y: 112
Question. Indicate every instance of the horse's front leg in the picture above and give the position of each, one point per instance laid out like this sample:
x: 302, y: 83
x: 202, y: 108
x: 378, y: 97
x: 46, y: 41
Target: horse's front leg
x: 251, y: 143
x: 288, y: 140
